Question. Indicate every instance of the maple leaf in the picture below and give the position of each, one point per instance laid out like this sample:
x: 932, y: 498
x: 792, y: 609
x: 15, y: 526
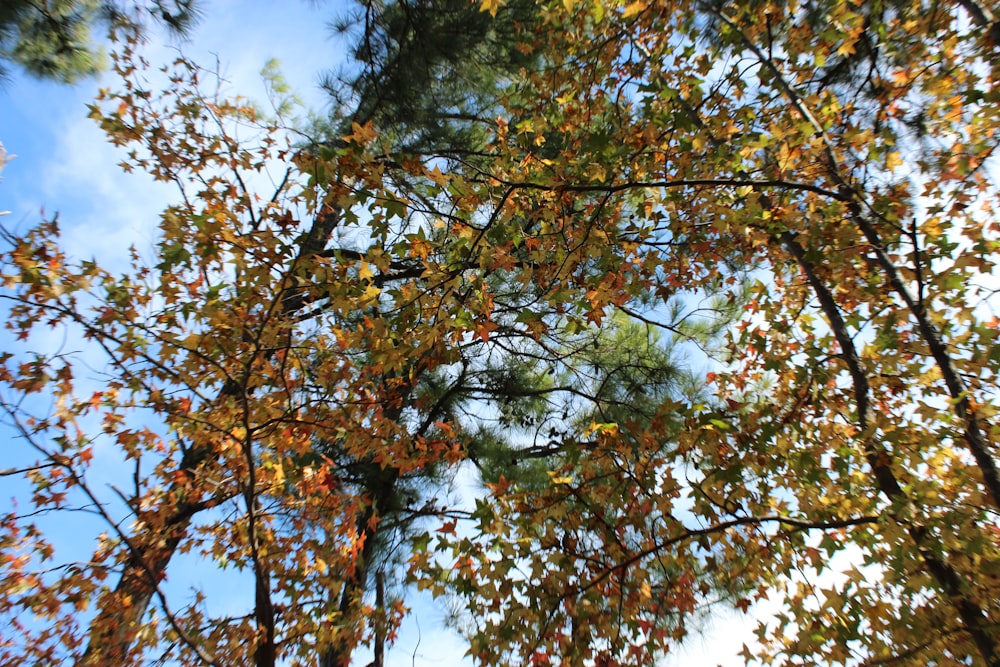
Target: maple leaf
x: 491, y: 6
x: 362, y: 134
x: 483, y: 329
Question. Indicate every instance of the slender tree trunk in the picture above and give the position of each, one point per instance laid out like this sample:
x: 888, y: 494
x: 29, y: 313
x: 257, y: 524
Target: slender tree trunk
x: 983, y: 17
x: 120, y: 614
x: 121, y: 611
x: 975, y: 439
x: 380, y: 622
x: 339, y: 654
x: 266, y: 653
x: 975, y: 620
x: 973, y: 432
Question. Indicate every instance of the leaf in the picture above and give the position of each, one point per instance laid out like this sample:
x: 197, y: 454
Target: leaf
x: 491, y: 6
x: 634, y: 8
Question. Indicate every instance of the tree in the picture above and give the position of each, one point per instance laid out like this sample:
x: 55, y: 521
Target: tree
x: 56, y: 43
x: 652, y: 159
x: 253, y: 267
x: 844, y: 154
x: 298, y: 387
x: 112, y: 635
x: 54, y: 39
x: 430, y: 73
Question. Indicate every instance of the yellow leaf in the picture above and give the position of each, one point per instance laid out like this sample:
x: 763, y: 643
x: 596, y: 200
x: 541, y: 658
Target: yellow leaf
x: 634, y: 8
x: 361, y: 134
x: 847, y: 48
x: 609, y: 428
x: 437, y: 176
x: 932, y: 227
x: 597, y: 172
x: 491, y: 6
x: 786, y: 158
x: 370, y: 295
x: 365, y: 272
x: 598, y: 11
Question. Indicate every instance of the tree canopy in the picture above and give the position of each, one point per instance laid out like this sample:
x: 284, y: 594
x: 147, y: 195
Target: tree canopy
x: 55, y: 39
x: 700, y: 294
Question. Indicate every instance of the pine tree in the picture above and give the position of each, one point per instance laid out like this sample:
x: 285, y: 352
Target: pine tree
x: 55, y: 40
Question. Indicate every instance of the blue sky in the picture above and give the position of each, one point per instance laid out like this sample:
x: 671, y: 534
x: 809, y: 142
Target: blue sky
x: 65, y: 165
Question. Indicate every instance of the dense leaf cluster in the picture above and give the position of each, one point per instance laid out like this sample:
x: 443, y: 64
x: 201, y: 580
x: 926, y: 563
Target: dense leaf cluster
x: 588, y: 316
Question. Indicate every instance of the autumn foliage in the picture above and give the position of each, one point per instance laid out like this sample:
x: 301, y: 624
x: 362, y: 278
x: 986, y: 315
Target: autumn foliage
x: 800, y: 196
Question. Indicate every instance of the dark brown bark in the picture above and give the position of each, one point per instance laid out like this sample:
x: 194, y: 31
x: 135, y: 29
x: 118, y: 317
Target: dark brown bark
x: 973, y: 430
x: 984, y: 18
x: 339, y: 655
x: 266, y: 653
x: 380, y: 623
x: 114, y: 629
x: 975, y: 620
